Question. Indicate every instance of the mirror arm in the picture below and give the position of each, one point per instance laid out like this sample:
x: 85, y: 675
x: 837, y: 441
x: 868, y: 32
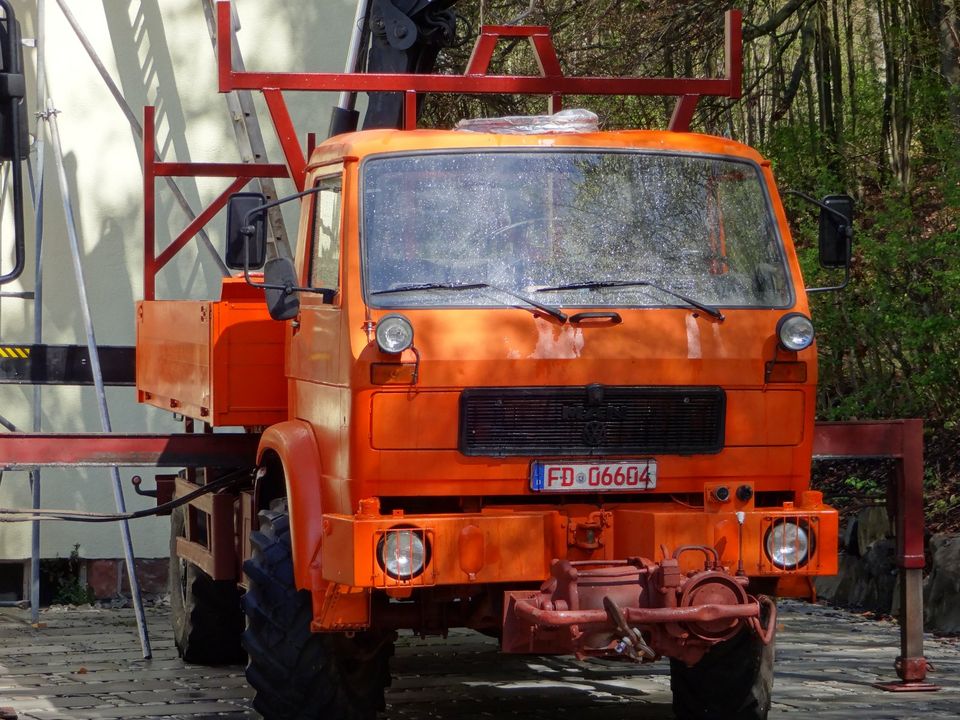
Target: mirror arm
x: 823, y: 206
x: 274, y: 203
x: 846, y: 271
x: 845, y: 227
x: 248, y: 230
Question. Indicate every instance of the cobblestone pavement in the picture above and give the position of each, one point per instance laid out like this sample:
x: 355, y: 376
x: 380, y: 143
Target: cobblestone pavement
x: 86, y: 664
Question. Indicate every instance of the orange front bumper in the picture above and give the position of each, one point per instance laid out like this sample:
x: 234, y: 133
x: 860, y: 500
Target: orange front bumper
x: 517, y: 545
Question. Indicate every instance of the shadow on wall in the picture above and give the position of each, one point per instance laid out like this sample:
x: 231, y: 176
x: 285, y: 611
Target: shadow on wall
x: 317, y: 36
x: 108, y: 259
x: 147, y: 75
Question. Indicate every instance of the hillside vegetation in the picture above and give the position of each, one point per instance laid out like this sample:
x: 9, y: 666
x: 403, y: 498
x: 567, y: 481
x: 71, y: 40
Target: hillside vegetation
x: 855, y: 96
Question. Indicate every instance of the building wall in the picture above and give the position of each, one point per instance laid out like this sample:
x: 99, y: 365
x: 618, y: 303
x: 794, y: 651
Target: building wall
x: 158, y: 52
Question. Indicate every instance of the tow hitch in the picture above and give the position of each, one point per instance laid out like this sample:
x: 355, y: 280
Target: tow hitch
x: 635, y: 609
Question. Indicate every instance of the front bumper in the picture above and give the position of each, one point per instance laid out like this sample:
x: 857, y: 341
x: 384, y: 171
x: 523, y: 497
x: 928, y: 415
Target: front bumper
x: 517, y: 545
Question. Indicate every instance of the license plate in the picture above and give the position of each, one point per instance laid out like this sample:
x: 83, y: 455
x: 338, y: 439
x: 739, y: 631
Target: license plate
x: 593, y: 477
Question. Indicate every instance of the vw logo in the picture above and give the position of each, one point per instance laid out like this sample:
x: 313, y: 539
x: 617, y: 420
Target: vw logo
x: 594, y: 432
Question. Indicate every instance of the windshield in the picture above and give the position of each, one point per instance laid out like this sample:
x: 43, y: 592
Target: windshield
x: 587, y: 229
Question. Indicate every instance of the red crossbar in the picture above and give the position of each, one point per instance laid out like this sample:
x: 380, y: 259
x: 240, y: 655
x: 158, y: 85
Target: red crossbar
x: 551, y: 82
x: 477, y: 81
x: 241, y: 174
x: 26, y: 450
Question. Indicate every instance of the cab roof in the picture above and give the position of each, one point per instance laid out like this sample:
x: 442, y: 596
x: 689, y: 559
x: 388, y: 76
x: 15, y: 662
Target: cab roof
x: 358, y: 145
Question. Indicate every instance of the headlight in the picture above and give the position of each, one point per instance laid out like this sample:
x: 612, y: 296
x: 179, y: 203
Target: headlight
x: 394, y: 334
x: 795, y: 331
x: 402, y: 554
x: 788, y: 544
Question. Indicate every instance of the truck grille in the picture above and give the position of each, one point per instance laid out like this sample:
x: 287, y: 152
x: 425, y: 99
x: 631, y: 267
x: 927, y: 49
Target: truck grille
x: 591, y: 420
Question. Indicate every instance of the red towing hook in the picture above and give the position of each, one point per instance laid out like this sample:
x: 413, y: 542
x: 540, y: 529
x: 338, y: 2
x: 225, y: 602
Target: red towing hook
x: 635, y: 609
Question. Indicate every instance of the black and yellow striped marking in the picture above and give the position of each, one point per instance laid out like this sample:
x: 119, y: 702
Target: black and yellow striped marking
x: 64, y: 365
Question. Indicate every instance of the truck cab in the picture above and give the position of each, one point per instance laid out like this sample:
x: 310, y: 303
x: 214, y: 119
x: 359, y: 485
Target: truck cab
x: 544, y: 382
x: 563, y: 326
x: 547, y: 382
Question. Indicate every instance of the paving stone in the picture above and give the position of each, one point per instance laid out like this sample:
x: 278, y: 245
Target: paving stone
x: 73, y: 701
x: 826, y: 662
x: 138, y: 711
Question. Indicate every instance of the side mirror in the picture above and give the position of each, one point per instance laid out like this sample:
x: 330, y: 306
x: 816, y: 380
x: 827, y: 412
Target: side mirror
x: 280, y: 287
x: 13, y: 108
x: 246, y: 231
x: 836, y: 231
x: 247, y: 248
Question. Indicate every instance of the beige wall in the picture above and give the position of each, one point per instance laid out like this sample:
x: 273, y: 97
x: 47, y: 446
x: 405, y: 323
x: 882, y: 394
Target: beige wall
x: 157, y: 51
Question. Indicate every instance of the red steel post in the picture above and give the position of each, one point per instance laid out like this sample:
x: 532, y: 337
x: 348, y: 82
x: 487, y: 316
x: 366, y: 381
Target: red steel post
x: 410, y: 110
x: 911, y: 665
x: 287, y: 134
x: 733, y: 52
x: 901, y: 440
x: 149, y: 205
x: 683, y: 113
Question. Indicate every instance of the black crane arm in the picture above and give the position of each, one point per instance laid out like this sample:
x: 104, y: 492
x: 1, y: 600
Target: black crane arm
x: 405, y: 36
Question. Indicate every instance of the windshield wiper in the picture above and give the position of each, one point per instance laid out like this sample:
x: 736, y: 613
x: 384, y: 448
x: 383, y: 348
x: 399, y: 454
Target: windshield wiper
x: 603, y: 284
x: 410, y: 287
x: 529, y: 301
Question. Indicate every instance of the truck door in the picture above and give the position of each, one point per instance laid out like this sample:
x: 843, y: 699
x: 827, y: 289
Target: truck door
x: 315, y: 343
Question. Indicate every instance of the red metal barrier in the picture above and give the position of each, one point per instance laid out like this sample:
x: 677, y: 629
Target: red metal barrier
x: 902, y: 441
x: 27, y: 450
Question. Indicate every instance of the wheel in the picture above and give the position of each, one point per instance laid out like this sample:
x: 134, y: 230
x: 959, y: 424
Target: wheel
x: 206, y: 613
x: 733, y: 681
x: 298, y: 674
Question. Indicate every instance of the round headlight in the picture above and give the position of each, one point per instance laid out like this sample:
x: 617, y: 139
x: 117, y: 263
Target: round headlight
x: 394, y: 334
x: 795, y: 331
x: 788, y: 545
x: 402, y: 553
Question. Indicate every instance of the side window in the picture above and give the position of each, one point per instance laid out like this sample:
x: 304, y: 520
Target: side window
x: 325, y: 248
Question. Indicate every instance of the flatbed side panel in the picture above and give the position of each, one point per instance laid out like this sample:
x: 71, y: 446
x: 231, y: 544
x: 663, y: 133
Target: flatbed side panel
x: 220, y: 362
x: 250, y: 386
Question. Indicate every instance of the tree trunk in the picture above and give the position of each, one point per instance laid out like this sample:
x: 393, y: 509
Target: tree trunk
x: 949, y: 29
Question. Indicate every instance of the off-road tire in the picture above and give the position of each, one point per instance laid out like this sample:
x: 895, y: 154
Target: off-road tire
x: 733, y: 681
x: 206, y: 613
x: 298, y: 674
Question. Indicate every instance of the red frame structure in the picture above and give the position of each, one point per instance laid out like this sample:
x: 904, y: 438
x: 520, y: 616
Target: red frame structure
x: 242, y: 173
x: 901, y: 440
x: 551, y: 82
x: 476, y: 80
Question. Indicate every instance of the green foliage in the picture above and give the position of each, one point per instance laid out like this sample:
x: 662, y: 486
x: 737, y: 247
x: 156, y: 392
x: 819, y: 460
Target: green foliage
x: 62, y: 576
x: 889, y: 345
x: 942, y: 510
x: 865, y: 486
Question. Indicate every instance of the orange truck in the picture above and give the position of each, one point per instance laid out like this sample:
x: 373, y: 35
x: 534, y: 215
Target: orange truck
x: 548, y: 382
